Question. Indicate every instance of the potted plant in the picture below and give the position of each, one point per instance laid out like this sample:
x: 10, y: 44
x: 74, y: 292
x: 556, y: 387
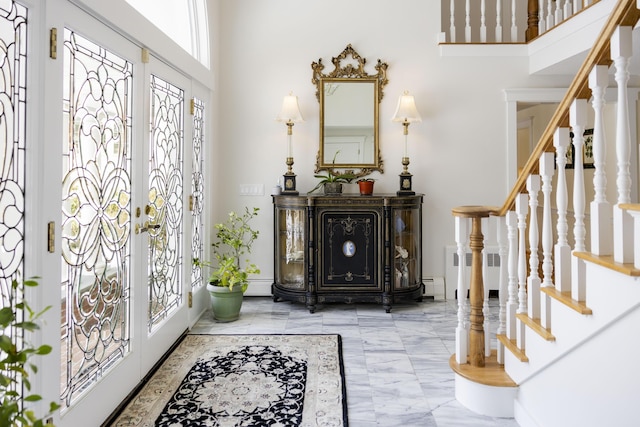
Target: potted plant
x: 332, y: 182
x: 17, y: 320
x: 366, y: 186
x: 229, y: 279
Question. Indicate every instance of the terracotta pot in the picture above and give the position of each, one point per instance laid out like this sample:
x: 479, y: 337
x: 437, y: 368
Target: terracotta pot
x: 366, y: 187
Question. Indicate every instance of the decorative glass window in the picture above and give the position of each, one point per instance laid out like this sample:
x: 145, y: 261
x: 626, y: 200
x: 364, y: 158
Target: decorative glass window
x: 96, y: 213
x: 165, y: 200
x: 13, y: 96
x: 197, y: 191
x: 184, y: 21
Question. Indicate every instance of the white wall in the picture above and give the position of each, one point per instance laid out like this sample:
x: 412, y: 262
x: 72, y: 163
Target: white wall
x: 266, y: 50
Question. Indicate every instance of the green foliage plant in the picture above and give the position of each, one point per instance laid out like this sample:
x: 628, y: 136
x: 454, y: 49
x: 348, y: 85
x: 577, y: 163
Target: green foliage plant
x: 17, y: 319
x: 331, y: 176
x: 234, y: 238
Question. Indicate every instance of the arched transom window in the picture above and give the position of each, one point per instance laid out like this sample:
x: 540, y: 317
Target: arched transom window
x: 185, y: 21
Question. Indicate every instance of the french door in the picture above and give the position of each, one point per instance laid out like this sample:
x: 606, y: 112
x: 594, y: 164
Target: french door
x: 127, y: 163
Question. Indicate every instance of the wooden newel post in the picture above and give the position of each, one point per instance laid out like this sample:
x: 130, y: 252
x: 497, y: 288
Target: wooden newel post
x: 476, y: 295
x: 476, y: 285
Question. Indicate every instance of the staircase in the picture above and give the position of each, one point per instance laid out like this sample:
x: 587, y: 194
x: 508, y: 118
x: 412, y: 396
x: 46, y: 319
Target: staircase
x: 568, y: 286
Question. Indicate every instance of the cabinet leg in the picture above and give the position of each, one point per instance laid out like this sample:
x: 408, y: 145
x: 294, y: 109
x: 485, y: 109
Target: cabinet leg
x: 311, y: 302
x: 386, y: 302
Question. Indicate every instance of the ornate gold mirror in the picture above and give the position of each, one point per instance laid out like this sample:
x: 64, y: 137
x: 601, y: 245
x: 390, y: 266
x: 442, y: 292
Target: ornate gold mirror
x: 349, y: 99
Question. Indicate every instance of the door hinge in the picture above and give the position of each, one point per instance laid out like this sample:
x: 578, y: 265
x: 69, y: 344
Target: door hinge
x: 191, y: 203
x: 190, y: 299
x: 192, y: 107
x: 51, y: 237
x: 53, y: 43
x: 144, y: 55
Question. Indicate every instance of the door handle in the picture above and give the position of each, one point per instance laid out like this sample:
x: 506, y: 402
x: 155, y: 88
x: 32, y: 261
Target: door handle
x: 145, y: 227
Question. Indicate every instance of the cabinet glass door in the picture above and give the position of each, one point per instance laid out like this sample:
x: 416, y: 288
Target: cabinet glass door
x: 291, y: 248
x: 406, y: 260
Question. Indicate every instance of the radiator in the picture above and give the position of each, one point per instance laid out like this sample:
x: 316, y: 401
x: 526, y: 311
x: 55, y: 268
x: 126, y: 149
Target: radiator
x: 492, y: 270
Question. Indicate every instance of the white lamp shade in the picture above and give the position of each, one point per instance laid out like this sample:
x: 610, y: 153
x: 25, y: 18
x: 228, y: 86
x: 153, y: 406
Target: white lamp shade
x: 406, y: 110
x: 290, y: 110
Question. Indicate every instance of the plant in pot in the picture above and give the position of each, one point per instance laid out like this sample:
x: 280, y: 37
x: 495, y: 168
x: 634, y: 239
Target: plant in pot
x: 17, y: 321
x: 331, y: 182
x: 366, y: 186
x: 229, y: 278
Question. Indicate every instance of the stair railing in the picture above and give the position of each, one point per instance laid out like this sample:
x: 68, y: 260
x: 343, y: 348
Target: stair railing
x: 506, y: 21
x: 544, y: 258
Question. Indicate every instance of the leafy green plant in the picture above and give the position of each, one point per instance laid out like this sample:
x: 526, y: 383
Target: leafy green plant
x: 16, y: 319
x: 331, y: 176
x: 234, y: 238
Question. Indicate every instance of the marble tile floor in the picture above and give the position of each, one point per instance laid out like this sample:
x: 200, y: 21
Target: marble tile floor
x: 396, y: 364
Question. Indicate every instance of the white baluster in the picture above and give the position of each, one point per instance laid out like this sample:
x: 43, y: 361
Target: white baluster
x: 550, y: 15
x: 452, y: 21
x: 503, y: 286
x: 601, y: 214
x: 546, y: 174
x: 533, y: 281
x: 558, y: 14
x: 568, y: 9
x: 542, y: 24
x: 512, y: 271
x: 562, y: 252
x: 635, y: 214
x: 577, y: 6
x: 498, y: 21
x: 622, y: 221
x: 462, y: 332
x: 486, y: 311
x: 578, y: 119
x: 483, y: 22
x: 521, y: 211
x: 467, y: 27
x: 514, y: 27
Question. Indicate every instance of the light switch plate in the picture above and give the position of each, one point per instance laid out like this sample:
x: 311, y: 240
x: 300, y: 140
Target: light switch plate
x: 252, y: 189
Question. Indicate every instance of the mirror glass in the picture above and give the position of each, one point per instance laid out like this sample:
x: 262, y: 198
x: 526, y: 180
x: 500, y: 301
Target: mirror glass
x: 348, y: 123
x: 349, y: 99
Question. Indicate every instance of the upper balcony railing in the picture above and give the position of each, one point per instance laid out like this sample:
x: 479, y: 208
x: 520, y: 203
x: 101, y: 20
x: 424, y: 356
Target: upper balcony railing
x: 505, y: 21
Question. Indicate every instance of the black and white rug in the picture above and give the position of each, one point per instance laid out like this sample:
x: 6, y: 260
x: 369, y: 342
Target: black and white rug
x: 245, y: 380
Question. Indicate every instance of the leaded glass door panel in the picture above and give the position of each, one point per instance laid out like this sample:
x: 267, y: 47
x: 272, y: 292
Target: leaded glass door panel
x: 122, y: 227
x: 96, y: 245
x: 166, y: 180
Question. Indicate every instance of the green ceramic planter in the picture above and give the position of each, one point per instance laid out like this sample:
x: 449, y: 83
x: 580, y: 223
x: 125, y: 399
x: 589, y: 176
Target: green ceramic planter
x: 225, y: 304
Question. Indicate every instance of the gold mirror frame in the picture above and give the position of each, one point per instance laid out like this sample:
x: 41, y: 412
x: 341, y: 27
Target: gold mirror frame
x: 351, y: 72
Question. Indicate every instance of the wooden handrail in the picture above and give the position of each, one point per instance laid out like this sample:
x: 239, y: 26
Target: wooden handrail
x: 624, y: 13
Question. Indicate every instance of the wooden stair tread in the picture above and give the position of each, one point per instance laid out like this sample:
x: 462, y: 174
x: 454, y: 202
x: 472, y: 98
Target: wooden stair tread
x: 536, y: 326
x: 492, y: 374
x: 513, y: 347
x: 608, y: 262
x: 630, y: 206
x: 565, y: 298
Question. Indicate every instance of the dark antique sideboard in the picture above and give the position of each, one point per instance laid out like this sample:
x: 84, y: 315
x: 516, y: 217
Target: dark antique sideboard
x: 347, y: 248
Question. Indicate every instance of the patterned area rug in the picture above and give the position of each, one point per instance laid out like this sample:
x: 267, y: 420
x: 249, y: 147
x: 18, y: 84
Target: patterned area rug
x: 245, y: 380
